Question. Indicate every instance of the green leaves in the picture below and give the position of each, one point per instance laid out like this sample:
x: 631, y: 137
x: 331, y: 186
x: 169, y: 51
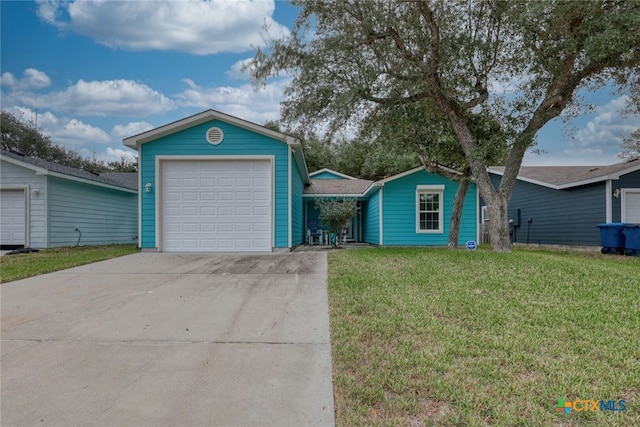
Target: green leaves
x: 336, y: 214
x: 466, y: 83
x: 27, y: 139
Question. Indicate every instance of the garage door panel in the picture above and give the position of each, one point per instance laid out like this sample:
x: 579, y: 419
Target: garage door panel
x: 225, y: 182
x: 260, y: 211
x: 190, y: 211
x: 226, y: 196
x: 226, y: 211
x: 243, y: 211
x: 244, y: 181
x: 12, y: 217
x: 244, y: 196
x: 261, y: 226
x: 216, y: 205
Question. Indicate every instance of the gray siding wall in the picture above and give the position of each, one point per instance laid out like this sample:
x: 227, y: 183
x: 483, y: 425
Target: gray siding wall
x: 559, y: 217
x: 14, y: 175
x: 103, y: 215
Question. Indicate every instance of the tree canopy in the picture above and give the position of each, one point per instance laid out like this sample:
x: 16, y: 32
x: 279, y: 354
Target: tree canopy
x: 512, y: 65
x: 631, y: 146
x: 336, y: 214
x: 25, y: 138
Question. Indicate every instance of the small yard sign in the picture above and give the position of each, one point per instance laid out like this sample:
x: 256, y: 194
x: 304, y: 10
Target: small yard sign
x: 471, y: 245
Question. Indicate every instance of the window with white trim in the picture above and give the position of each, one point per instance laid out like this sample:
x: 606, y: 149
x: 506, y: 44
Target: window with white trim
x: 429, y: 212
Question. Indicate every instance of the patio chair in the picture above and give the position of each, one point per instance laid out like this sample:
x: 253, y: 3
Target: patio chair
x: 314, y: 234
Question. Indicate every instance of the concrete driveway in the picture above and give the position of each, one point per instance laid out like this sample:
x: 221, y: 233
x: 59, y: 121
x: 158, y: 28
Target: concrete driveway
x: 170, y: 340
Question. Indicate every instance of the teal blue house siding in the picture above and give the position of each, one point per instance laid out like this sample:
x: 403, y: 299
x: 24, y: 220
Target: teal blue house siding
x: 327, y: 175
x: 399, y: 211
x: 297, y: 206
x: 102, y: 215
x: 387, y: 210
x: 237, y: 142
x: 371, y: 215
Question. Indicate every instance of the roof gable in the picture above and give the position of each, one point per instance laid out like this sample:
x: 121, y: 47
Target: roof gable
x: 119, y: 181
x: 205, y: 116
x: 136, y: 140
x: 320, y: 174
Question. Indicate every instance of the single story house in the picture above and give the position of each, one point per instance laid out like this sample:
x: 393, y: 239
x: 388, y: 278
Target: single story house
x: 562, y: 205
x: 213, y: 182
x: 46, y: 205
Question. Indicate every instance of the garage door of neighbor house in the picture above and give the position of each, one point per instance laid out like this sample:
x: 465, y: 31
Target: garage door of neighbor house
x: 631, y: 206
x: 12, y: 217
x: 216, y: 205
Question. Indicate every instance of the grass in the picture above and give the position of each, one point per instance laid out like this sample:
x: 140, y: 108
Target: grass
x: 20, y: 266
x: 438, y: 337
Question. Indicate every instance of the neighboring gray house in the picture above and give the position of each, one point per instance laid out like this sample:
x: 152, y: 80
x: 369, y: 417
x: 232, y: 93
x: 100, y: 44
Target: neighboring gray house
x: 44, y: 205
x: 562, y: 205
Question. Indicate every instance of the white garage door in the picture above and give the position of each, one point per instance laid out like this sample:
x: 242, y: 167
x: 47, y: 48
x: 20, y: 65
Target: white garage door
x: 631, y: 206
x: 12, y: 217
x: 216, y: 206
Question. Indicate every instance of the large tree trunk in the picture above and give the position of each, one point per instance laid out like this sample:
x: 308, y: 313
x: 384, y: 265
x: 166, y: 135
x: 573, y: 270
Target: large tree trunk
x: 456, y: 213
x: 498, y: 222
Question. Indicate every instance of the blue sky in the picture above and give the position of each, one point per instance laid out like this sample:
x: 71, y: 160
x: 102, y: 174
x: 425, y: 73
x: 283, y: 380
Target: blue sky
x: 98, y: 72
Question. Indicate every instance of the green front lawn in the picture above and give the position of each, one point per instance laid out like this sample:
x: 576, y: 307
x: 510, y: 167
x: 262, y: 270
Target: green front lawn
x: 20, y: 266
x: 438, y: 337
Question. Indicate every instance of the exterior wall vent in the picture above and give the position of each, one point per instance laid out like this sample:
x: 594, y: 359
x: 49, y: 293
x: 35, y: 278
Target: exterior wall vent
x: 215, y: 135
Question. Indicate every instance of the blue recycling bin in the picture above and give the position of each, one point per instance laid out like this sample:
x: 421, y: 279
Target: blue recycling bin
x: 612, y: 237
x: 632, y: 239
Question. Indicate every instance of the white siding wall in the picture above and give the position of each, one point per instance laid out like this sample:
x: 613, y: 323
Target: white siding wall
x: 12, y: 176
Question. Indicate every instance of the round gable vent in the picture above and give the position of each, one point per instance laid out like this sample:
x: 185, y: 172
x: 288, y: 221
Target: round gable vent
x: 215, y: 136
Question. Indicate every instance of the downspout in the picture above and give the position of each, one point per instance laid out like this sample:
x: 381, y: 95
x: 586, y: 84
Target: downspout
x: 608, y: 202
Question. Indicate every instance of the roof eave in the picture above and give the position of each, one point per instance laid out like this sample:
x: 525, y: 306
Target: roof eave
x: 336, y: 195
x: 331, y: 171
x: 46, y: 172
x: 594, y: 180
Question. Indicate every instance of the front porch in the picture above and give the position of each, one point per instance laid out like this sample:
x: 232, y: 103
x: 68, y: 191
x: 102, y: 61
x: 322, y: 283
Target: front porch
x: 316, y: 233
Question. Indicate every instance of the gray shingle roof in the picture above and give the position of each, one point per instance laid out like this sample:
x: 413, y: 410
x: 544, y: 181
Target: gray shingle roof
x: 568, y: 176
x: 126, y: 179
x: 346, y: 187
x: 123, y: 180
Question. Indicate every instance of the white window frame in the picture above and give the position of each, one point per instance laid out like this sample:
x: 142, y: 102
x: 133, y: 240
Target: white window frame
x: 430, y: 189
x: 623, y: 201
x: 485, y: 214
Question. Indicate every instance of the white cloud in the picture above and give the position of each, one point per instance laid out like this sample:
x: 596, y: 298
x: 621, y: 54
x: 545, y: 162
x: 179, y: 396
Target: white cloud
x: 194, y: 26
x: 236, y: 72
x: 607, y: 128
x: 244, y: 101
x: 32, y: 79
x: 124, y: 131
x: 115, y: 154
x: 97, y: 98
x: 7, y: 79
x: 71, y: 133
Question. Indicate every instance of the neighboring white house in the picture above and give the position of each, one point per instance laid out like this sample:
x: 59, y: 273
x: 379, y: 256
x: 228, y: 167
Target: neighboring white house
x: 43, y: 204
